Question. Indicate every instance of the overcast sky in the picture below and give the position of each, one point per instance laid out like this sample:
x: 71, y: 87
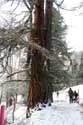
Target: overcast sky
x: 74, y: 20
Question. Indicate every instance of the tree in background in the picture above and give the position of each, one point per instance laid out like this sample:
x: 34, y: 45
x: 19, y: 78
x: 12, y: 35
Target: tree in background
x: 80, y: 72
x: 58, y: 74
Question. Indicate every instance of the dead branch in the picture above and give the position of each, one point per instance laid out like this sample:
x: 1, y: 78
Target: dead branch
x: 10, y: 81
x: 17, y: 72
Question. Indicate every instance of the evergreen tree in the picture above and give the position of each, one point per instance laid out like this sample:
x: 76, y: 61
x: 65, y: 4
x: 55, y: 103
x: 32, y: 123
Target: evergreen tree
x: 80, y: 73
x: 57, y: 75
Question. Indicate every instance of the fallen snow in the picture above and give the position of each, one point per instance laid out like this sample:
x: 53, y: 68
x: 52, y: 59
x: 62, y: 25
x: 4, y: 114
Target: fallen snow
x: 60, y: 113
x: 63, y: 94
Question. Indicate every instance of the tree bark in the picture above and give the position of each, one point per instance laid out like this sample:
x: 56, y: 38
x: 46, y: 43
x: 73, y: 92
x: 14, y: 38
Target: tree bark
x: 35, y: 85
x: 37, y: 90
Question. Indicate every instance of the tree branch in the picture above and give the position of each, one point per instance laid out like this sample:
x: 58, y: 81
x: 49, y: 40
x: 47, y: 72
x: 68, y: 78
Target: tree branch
x: 20, y: 80
x: 17, y: 72
x: 26, y: 4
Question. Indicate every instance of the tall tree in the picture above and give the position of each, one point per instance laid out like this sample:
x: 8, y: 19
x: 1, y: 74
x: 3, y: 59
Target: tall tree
x: 35, y: 85
x: 80, y: 72
x: 37, y: 89
x: 58, y: 75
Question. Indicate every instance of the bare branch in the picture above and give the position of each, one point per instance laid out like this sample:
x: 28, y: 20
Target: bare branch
x: 16, y: 5
x: 59, y: 3
x: 17, y: 72
x: 10, y: 81
x: 26, y: 4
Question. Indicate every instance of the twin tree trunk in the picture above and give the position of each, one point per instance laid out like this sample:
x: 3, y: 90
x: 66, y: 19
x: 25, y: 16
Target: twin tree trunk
x: 42, y: 36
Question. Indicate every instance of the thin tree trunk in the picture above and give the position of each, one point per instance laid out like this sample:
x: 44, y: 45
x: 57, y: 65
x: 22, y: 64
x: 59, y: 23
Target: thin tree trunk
x: 7, y: 100
x: 1, y: 94
x: 14, y: 109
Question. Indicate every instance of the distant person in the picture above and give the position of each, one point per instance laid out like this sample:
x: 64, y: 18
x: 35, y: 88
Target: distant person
x: 75, y: 96
x: 57, y: 93
x: 70, y: 92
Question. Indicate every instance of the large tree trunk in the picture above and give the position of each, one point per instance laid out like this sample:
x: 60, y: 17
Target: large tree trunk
x: 35, y: 85
x: 37, y: 88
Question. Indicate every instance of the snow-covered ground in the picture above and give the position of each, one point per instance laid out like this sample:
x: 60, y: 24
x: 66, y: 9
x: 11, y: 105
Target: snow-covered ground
x: 60, y: 113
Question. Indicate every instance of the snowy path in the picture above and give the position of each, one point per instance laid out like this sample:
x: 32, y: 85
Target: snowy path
x: 60, y: 113
x: 57, y: 114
